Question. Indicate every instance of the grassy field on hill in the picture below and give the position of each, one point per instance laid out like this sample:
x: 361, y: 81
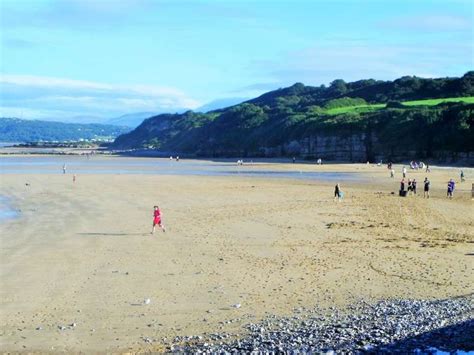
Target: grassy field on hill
x: 373, y: 107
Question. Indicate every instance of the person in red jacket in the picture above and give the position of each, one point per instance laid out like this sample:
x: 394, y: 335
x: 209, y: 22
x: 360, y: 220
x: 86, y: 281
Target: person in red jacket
x: 157, y: 220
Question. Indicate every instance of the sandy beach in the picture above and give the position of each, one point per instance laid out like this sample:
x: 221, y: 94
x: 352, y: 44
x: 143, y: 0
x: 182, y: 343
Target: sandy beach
x: 80, y: 256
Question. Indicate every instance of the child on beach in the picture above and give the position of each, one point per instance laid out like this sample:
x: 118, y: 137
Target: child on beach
x: 157, y: 220
x: 426, y: 190
x: 337, y: 193
x: 451, y: 185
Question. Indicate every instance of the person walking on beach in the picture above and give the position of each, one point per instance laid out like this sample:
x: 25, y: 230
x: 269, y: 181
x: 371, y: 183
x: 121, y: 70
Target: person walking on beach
x: 74, y: 178
x: 451, y: 186
x: 426, y: 189
x: 337, y: 193
x: 409, y: 189
x: 413, y: 186
x: 402, y: 185
x: 64, y: 168
x: 157, y: 220
x: 462, y: 176
x: 404, y: 172
x: 392, y: 173
x: 427, y: 168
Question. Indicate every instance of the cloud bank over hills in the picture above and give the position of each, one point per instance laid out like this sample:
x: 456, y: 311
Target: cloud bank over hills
x: 62, y: 99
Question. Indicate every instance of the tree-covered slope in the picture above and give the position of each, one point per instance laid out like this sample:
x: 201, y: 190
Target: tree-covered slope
x: 356, y: 121
x: 18, y: 130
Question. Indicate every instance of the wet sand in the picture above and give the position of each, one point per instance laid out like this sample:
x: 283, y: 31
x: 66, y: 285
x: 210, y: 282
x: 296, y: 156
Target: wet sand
x: 82, y: 253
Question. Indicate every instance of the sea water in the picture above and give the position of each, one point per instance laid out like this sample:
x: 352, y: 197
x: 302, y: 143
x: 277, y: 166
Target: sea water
x: 131, y: 165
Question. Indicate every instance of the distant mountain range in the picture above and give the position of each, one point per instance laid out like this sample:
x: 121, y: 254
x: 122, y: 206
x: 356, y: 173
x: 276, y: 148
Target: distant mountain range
x: 19, y: 130
x: 370, y: 119
x: 130, y: 119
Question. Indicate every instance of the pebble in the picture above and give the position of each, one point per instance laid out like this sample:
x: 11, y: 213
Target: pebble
x: 401, y: 326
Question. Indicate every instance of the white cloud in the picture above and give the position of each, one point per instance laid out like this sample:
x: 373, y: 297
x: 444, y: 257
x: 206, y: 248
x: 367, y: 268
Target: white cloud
x: 37, y: 95
x: 427, y: 22
x: 323, y: 63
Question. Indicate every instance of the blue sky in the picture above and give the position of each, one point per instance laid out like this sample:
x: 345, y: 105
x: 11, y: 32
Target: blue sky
x: 91, y: 60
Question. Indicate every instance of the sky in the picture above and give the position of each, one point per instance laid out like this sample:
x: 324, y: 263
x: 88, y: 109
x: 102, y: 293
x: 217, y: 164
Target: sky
x: 93, y: 60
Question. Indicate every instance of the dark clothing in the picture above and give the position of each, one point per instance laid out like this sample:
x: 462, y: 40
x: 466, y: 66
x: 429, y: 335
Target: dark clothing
x: 427, y: 185
x: 337, y: 193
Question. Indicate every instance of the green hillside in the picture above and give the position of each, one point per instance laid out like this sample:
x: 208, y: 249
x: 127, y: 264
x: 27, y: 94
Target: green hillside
x: 366, y: 119
x: 367, y: 108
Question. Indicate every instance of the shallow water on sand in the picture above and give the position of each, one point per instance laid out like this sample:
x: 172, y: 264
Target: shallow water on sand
x: 7, y: 211
x: 119, y: 165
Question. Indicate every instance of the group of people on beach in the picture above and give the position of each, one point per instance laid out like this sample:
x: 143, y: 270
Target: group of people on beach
x: 411, y: 188
x: 418, y: 165
x: 412, y: 184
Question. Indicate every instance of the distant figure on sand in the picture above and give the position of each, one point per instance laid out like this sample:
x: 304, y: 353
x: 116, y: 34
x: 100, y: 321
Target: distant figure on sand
x: 428, y: 168
x: 402, y: 185
x: 177, y: 158
x: 392, y: 173
x: 319, y: 161
x: 426, y: 190
x: 409, y: 189
x: 337, y: 193
x: 462, y: 176
x: 413, y: 186
x: 74, y: 178
x: 157, y: 220
x: 64, y: 168
x: 451, y: 186
x: 404, y: 172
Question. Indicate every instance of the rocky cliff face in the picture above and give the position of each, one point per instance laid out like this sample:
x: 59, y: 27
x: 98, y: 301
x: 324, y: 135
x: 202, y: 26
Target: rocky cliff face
x: 330, y: 147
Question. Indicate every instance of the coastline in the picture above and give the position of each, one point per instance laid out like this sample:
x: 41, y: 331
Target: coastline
x: 9, y: 151
x: 82, y: 253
